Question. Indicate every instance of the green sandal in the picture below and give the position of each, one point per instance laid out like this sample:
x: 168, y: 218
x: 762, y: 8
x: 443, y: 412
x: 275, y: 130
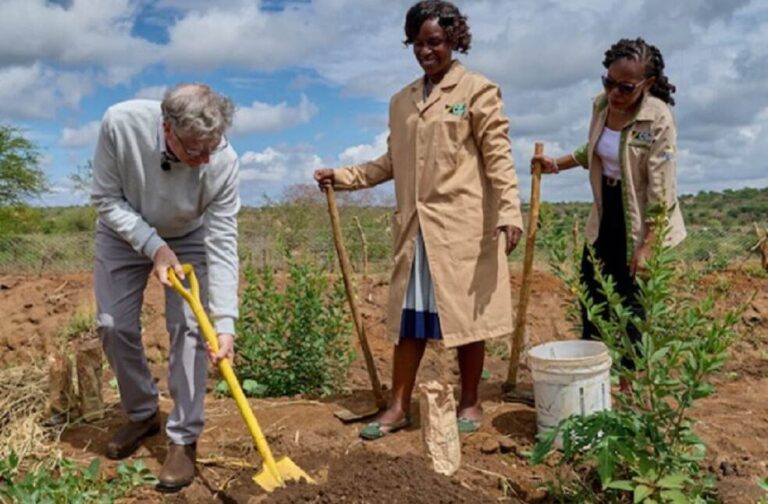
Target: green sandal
x: 377, y: 430
x: 467, y: 425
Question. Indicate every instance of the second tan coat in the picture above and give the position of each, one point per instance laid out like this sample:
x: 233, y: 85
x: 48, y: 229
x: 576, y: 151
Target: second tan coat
x: 647, y: 154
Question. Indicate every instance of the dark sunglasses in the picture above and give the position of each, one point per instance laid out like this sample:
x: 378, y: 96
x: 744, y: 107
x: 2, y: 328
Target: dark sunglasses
x: 623, y: 87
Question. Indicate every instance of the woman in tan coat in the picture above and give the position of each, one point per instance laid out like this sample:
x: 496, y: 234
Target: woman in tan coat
x: 630, y: 156
x: 456, y: 191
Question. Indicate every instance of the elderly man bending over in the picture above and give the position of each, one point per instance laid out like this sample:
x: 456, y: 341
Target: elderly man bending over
x: 166, y: 189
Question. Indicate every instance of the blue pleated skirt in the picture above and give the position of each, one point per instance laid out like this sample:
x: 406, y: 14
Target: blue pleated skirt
x: 419, y: 318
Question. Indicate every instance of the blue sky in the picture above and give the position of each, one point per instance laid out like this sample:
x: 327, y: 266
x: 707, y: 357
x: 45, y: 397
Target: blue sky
x: 312, y: 79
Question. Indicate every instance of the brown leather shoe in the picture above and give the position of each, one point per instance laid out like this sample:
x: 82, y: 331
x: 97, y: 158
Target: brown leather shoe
x: 128, y: 437
x: 179, y: 468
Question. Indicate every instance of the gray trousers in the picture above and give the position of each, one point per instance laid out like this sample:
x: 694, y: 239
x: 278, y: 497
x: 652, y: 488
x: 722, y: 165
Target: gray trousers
x: 120, y: 277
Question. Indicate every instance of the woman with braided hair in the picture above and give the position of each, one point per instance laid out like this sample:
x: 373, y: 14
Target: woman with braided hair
x: 630, y: 156
x: 457, y: 215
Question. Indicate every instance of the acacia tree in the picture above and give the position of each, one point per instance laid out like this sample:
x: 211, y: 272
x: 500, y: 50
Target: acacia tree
x: 20, y: 173
x: 82, y: 179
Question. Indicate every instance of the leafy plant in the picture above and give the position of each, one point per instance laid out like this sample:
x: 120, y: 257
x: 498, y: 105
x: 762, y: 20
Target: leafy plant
x: 62, y: 481
x: 296, y: 340
x: 763, y: 484
x: 81, y: 325
x: 562, y: 246
x: 645, y: 449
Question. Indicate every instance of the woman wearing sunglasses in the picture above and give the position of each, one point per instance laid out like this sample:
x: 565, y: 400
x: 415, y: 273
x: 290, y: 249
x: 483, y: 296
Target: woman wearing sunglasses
x: 630, y: 156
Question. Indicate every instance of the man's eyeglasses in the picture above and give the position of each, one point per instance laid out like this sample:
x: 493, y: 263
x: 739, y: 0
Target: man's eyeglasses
x: 623, y: 87
x: 198, y: 153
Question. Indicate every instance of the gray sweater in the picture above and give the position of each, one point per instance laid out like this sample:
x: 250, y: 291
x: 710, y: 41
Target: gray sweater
x: 144, y: 204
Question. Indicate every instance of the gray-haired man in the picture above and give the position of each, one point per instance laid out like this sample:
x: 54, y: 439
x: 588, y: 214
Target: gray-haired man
x: 166, y: 188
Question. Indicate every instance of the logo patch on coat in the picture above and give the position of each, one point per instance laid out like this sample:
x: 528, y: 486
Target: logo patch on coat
x: 669, y: 153
x: 645, y: 137
x: 457, y: 110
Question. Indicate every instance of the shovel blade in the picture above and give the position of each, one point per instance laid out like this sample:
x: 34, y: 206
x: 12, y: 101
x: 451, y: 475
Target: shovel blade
x: 288, y: 471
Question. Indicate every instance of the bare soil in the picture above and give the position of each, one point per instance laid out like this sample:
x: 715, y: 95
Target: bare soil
x: 734, y: 422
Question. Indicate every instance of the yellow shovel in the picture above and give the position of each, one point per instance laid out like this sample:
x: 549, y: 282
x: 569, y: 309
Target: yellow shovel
x: 273, y: 474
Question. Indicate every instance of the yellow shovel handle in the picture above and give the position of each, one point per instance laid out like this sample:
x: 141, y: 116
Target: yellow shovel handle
x: 192, y: 296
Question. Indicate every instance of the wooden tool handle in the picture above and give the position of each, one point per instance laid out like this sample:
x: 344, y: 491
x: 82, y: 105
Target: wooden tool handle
x: 525, y: 286
x: 346, y: 271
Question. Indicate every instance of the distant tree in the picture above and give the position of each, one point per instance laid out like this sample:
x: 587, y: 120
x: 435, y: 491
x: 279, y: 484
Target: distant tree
x: 20, y: 173
x: 309, y: 194
x: 302, y: 194
x: 82, y: 178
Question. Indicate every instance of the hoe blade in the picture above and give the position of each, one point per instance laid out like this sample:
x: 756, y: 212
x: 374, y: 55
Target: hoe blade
x: 348, y: 416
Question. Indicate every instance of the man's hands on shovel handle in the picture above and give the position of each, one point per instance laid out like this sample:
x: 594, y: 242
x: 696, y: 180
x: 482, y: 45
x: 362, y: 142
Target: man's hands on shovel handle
x: 165, y: 258
x: 513, y: 234
x: 324, y: 178
x: 226, y: 349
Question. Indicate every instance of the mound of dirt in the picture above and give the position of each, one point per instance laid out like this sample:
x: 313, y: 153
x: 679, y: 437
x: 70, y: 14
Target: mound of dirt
x: 365, y: 477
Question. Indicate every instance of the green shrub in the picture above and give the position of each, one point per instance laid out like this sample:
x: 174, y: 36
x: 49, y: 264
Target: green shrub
x: 62, y: 481
x: 763, y: 483
x: 81, y: 325
x: 295, y: 340
x: 645, y: 449
x: 564, y: 251
x: 20, y: 219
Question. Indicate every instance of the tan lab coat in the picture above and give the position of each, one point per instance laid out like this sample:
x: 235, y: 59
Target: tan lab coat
x: 451, y: 161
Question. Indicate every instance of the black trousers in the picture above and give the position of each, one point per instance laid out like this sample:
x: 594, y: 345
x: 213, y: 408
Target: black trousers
x: 611, y: 249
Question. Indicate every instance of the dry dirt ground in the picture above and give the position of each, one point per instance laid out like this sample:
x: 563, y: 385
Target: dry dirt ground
x: 734, y: 422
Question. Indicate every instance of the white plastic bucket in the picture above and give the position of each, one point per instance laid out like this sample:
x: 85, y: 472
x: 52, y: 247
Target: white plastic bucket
x: 569, y: 378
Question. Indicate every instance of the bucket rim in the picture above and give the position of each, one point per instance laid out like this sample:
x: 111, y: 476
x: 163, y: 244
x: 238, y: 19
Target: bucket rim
x: 601, y: 355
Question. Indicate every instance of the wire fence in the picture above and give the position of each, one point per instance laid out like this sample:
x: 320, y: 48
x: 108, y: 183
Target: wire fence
x: 273, y: 239
x: 274, y: 242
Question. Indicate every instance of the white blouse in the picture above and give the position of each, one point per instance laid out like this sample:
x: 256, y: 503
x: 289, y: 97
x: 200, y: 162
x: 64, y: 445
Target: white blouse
x: 608, y: 150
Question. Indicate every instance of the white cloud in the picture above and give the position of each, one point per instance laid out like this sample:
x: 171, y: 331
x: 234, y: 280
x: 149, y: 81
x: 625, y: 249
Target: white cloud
x: 715, y: 52
x: 185, y: 5
x: 83, y: 136
x: 243, y: 36
x: 262, y: 117
x: 266, y: 166
x: 53, y: 54
x: 87, y: 32
x: 151, y: 92
x: 343, y: 39
x: 365, y: 152
x: 37, y: 92
x: 279, y: 164
x: 546, y: 56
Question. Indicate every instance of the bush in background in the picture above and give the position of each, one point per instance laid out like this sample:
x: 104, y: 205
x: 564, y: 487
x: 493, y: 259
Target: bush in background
x: 294, y: 340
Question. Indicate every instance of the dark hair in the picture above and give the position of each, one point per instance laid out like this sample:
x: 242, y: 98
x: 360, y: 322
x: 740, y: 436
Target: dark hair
x: 451, y: 20
x: 640, y: 50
